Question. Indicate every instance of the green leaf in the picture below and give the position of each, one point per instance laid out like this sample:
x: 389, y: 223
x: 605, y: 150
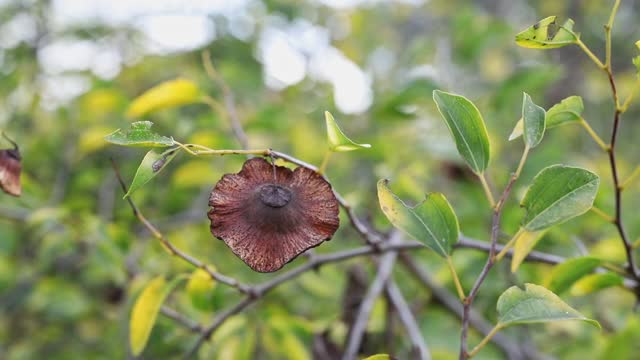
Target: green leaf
x: 534, y: 121
x: 594, y: 282
x: 338, y: 141
x: 566, y: 274
x: 139, y: 134
x: 431, y: 222
x: 534, y: 305
x: 525, y: 242
x: 545, y: 34
x: 166, y: 95
x: 567, y: 111
x: 200, y: 289
x: 145, y: 311
x: 467, y: 127
x: 558, y: 193
x: 151, y: 166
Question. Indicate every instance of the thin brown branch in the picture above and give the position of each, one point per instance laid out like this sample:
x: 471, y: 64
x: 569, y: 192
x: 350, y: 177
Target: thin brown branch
x: 451, y: 303
x: 354, y: 340
x: 408, y: 320
x: 229, y: 101
x: 495, y: 233
x: 170, y: 247
x: 180, y: 319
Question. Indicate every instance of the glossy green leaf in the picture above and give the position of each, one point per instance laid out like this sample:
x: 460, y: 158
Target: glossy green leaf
x: 525, y: 242
x: 145, y: 311
x: 151, y: 166
x: 558, y: 193
x: 567, y: 111
x: 546, y: 34
x: 595, y: 282
x: 431, y: 222
x: 139, y: 134
x: 533, y: 117
x: 200, y: 289
x: 564, y: 275
x: 534, y: 304
x: 467, y: 128
x: 163, y: 96
x: 338, y: 141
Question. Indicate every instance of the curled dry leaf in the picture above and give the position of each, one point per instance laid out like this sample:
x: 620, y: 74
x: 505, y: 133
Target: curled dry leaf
x: 270, y: 214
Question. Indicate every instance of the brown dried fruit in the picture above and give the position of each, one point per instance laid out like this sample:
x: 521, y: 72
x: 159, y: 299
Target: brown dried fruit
x: 270, y: 214
x: 10, y: 168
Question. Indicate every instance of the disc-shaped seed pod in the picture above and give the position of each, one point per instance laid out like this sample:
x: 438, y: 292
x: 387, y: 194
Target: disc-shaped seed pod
x: 270, y: 214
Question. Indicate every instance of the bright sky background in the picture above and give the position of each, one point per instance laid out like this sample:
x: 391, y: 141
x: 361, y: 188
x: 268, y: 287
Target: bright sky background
x: 289, y: 52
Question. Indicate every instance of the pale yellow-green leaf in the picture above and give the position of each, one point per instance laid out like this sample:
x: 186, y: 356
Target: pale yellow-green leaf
x: 166, y: 95
x: 92, y: 139
x: 293, y: 348
x: 194, y: 173
x: 378, y: 357
x: 524, y: 244
x: 145, y: 311
x: 338, y: 141
x: 200, y: 288
x: 594, y: 282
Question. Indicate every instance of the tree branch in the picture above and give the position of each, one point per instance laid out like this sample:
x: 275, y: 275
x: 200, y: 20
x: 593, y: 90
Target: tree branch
x: 408, y: 320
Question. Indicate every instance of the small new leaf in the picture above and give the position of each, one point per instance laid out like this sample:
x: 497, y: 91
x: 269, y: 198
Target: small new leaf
x: 151, y: 165
x: 139, y: 134
x: 338, y: 141
x: 546, y: 34
x: 467, y: 128
x: 558, y: 193
x: 567, y: 111
x: 525, y: 242
x: 163, y: 96
x: 431, y: 222
x: 534, y: 305
x: 534, y: 121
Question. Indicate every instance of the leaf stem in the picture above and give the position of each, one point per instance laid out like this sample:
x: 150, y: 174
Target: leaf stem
x: 325, y: 162
x: 603, y: 214
x: 594, y: 135
x: 523, y: 159
x: 456, y: 279
x: 487, y: 190
x: 590, y: 54
x: 630, y: 178
x: 485, y: 341
x: 208, y: 151
x: 627, y: 101
x: 509, y: 245
x: 607, y: 31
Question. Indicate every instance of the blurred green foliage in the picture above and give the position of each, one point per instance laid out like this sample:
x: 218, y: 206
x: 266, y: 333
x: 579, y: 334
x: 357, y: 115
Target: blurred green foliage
x: 73, y: 257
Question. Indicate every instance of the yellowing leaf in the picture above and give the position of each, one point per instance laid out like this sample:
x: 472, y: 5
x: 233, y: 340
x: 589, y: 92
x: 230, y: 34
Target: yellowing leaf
x: 338, y: 141
x: 525, y: 242
x: 145, y: 311
x: 294, y: 349
x: 163, y: 96
x: 545, y: 34
x: 379, y: 357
